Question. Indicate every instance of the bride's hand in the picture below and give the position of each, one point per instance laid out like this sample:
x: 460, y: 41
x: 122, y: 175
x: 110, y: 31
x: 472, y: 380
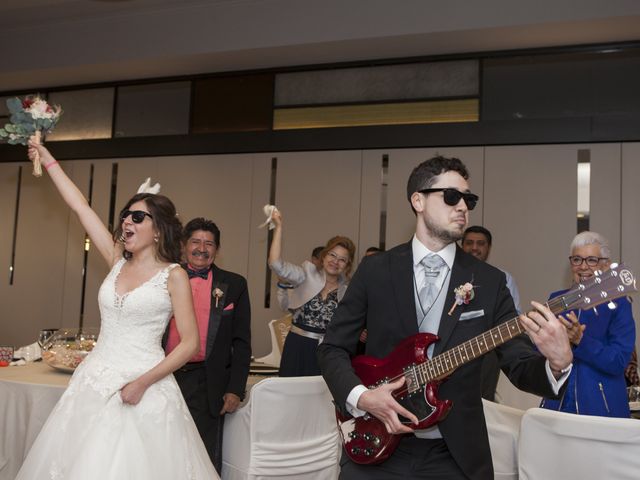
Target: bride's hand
x: 45, y: 156
x: 132, y: 392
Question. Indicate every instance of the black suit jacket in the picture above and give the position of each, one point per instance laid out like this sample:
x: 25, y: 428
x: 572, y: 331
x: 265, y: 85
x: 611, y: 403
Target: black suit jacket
x: 380, y: 298
x: 228, y: 348
x: 228, y: 345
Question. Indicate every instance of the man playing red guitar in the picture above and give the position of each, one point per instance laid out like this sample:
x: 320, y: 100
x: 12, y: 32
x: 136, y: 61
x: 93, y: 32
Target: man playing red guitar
x: 429, y: 285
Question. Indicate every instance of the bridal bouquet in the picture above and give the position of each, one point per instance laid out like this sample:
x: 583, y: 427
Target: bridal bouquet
x: 30, y: 117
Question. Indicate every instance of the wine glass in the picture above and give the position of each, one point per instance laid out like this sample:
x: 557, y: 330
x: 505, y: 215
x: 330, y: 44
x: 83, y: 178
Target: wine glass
x: 44, y: 335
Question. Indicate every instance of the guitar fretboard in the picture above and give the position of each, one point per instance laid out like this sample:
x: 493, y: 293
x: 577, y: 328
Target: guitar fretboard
x: 444, y: 364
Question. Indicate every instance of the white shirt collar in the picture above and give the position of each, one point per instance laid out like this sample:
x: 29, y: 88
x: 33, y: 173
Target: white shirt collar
x: 420, y: 251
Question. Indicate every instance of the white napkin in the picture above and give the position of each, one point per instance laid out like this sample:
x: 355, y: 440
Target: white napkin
x: 146, y: 187
x: 29, y: 352
x: 268, y: 211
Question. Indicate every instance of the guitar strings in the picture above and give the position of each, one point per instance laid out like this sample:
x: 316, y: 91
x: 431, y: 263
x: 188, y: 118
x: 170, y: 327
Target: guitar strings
x: 556, y: 305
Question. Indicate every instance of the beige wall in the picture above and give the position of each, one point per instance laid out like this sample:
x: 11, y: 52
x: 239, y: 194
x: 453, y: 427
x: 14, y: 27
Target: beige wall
x: 528, y: 200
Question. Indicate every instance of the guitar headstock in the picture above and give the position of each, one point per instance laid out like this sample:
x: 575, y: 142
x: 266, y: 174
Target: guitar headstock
x: 618, y: 281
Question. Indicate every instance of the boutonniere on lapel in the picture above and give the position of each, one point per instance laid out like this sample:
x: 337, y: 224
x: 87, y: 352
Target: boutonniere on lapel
x: 217, y: 294
x: 464, y: 294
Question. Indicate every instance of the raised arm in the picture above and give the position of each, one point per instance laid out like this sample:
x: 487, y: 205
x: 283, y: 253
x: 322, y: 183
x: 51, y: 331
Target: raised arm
x: 182, y: 303
x: 275, y: 252
x: 293, y: 274
x: 74, y: 198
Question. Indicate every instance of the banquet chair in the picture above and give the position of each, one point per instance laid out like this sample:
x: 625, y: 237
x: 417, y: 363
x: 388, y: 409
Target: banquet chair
x: 503, y: 426
x: 556, y: 445
x: 287, y: 430
x: 278, y: 329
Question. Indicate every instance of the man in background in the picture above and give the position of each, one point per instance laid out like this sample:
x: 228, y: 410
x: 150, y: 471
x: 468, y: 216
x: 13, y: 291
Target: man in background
x: 477, y: 241
x: 213, y: 382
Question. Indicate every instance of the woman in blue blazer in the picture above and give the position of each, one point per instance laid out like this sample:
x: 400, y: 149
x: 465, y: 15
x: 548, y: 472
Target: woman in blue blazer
x: 602, y: 342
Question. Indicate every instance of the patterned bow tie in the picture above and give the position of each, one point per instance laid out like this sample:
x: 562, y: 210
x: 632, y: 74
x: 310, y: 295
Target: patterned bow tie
x: 203, y: 273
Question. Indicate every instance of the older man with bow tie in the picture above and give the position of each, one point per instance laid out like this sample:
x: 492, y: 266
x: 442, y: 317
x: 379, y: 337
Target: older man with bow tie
x: 213, y: 382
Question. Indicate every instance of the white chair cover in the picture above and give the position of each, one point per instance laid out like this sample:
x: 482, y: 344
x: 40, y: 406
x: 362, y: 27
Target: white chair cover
x: 503, y: 425
x: 555, y: 445
x: 286, y: 430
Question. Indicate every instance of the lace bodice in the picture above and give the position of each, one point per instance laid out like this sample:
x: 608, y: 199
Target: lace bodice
x: 133, y: 324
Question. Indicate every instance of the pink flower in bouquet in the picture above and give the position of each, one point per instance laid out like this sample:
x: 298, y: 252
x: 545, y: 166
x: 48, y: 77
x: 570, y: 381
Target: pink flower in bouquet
x: 39, y: 109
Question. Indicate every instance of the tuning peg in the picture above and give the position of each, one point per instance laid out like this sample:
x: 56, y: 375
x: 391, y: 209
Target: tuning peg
x: 612, y: 305
x: 614, y: 265
x: 597, y: 273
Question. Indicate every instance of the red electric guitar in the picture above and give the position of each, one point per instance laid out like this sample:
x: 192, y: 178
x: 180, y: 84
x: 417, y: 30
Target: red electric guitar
x: 366, y: 440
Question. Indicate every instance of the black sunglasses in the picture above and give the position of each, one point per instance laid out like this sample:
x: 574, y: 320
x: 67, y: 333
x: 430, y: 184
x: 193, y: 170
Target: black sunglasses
x: 137, y: 216
x: 452, y: 196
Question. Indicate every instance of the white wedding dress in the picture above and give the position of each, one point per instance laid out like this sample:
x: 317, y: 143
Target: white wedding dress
x: 90, y: 433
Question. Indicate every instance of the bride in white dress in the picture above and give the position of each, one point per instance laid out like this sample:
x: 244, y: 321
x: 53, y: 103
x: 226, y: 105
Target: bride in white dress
x: 123, y: 416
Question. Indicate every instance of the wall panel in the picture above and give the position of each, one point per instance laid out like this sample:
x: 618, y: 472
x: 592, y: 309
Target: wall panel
x: 35, y: 300
x: 8, y: 189
x: 370, y: 202
x: 257, y: 257
x: 218, y: 188
x: 97, y: 268
x: 530, y: 208
x: 630, y: 228
x: 605, y: 201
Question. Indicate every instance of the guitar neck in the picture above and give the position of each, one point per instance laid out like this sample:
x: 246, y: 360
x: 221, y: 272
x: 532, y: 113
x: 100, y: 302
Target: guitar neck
x: 445, y: 363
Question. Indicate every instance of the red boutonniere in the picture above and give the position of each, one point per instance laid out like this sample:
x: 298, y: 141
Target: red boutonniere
x: 464, y: 294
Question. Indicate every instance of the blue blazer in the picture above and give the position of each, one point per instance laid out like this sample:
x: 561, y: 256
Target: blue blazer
x: 596, y: 385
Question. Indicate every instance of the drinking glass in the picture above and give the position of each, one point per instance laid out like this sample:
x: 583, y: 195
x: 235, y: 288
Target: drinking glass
x: 44, y: 335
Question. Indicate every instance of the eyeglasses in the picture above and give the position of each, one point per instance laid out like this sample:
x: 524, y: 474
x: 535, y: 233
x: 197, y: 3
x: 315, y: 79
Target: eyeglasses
x: 452, y: 196
x: 137, y: 216
x: 577, y: 260
x: 337, y: 258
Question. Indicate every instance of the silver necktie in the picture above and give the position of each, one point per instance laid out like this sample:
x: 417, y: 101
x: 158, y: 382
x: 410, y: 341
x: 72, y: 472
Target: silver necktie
x: 433, y: 264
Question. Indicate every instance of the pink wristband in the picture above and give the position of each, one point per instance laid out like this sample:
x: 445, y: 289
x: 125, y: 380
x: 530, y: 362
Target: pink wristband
x: 49, y: 165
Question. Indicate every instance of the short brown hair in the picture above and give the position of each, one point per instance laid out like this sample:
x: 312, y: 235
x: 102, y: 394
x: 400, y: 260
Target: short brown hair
x: 344, y: 242
x: 424, y: 175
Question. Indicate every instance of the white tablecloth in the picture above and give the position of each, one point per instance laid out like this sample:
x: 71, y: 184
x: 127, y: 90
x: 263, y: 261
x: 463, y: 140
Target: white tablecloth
x: 27, y: 396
